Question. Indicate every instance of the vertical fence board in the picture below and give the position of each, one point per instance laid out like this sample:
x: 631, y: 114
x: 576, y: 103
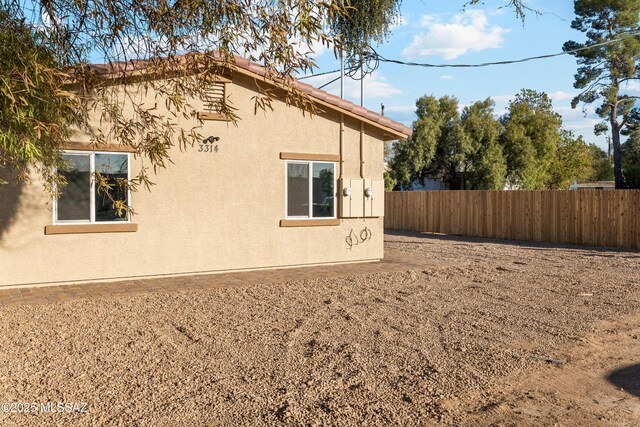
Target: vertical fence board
x: 636, y: 219
x: 621, y: 218
x: 584, y: 217
x: 604, y: 220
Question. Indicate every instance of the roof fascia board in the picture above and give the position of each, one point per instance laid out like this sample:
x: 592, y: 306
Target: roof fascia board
x: 392, y: 133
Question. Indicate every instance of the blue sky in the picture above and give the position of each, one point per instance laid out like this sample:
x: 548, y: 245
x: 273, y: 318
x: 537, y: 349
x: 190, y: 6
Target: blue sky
x: 443, y: 32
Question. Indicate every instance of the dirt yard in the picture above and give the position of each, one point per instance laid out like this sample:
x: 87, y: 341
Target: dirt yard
x: 513, y: 334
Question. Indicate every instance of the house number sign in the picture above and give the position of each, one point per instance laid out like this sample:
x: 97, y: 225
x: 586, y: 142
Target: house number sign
x: 206, y: 148
x: 208, y: 145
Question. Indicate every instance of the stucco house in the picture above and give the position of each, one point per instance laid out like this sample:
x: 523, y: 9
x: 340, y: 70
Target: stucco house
x: 278, y: 189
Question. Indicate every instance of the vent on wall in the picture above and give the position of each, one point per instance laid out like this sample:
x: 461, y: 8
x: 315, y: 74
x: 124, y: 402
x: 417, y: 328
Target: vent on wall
x: 214, y: 97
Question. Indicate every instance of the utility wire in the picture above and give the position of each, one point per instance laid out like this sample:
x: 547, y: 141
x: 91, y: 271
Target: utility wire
x: 350, y: 72
x: 332, y: 81
x: 377, y: 57
x: 374, y: 57
x: 319, y: 74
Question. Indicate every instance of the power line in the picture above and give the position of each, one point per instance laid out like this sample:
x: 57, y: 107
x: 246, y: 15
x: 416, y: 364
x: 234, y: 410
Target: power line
x: 350, y: 72
x: 332, y: 81
x: 319, y: 74
x: 377, y: 57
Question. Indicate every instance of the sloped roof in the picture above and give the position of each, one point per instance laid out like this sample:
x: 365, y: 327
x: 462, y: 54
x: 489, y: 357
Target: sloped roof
x: 244, y: 66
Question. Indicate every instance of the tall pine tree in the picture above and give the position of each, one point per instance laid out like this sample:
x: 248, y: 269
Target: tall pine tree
x: 604, y: 71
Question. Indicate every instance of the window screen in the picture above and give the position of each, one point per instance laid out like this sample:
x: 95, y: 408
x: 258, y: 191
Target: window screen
x: 114, y: 168
x: 323, y: 191
x: 81, y: 200
x: 298, y: 189
x: 74, y: 203
x: 310, y: 189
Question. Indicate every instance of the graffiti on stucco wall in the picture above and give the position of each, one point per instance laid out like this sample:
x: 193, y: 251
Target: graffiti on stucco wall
x: 354, y: 239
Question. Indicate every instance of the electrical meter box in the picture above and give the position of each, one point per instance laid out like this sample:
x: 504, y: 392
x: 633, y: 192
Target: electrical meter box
x: 361, y: 198
x: 352, y: 205
x: 374, y: 203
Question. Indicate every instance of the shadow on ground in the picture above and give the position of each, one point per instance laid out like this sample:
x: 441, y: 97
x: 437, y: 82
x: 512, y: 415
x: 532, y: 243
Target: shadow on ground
x: 422, y: 238
x: 627, y: 378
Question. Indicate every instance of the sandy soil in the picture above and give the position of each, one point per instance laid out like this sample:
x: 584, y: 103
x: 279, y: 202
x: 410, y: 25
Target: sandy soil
x: 515, y: 334
x: 594, y: 383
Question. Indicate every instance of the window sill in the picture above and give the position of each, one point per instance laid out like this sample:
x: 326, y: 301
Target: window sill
x: 312, y: 157
x: 90, y: 228
x: 89, y: 146
x: 202, y: 115
x: 309, y: 222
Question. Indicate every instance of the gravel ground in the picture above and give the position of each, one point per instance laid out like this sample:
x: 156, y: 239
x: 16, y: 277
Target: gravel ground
x: 382, y: 349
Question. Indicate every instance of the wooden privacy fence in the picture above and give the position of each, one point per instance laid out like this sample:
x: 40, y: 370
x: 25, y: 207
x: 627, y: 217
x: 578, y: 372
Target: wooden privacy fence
x: 584, y: 217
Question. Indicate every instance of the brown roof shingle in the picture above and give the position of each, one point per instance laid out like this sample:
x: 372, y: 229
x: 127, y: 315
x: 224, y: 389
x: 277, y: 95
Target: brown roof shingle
x: 244, y: 65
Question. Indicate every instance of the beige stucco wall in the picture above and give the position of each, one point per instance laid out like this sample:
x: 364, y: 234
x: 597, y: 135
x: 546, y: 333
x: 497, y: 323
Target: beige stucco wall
x: 207, y: 212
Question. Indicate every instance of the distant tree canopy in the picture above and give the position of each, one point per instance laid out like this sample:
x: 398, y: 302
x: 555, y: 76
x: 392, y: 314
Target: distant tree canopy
x: 526, y: 148
x: 605, y: 71
x: 630, y: 151
x: 530, y: 139
x: 602, y: 165
x: 574, y: 161
x: 485, y: 166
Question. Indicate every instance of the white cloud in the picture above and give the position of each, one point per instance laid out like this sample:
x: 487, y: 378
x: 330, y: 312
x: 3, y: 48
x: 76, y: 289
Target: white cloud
x: 583, y: 127
x: 632, y: 86
x: 447, y: 77
x: 375, y: 86
x: 429, y: 20
x: 502, y: 99
x: 562, y: 95
x: 401, y: 113
x: 400, y: 108
x: 579, y: 120
x: 569, y: 113
x: 465, y: 32
x: 557, y: 97
x: 314, y: 50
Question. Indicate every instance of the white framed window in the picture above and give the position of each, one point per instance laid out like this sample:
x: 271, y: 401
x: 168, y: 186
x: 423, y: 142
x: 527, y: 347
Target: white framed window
x: 81, y: 201
x: 310, y: 189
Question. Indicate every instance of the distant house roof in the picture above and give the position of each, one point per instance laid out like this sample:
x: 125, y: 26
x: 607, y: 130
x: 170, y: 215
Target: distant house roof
x: 393, y: 129
x: 596, y: 185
